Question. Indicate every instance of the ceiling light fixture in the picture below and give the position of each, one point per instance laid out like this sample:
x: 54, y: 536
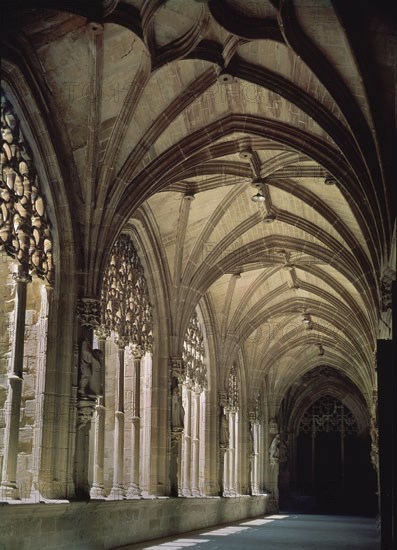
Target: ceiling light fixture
x: 258, y: 197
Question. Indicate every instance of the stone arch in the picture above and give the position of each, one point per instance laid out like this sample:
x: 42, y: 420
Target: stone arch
x: 27, y: 236
x: 316, y: 384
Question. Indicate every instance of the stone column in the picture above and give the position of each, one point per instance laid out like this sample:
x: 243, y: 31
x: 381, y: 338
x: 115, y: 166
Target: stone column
x: 118, y: 492
x: 232, y: 453
x: 253, y: 452
x: 224, y: 440
x: 196, y: 444
x: 133, y: 489
x: 226, y: 478
x: 40, y: 451
x: 222, y: 458
x: 9, y: 487
x: 98, y: 490
x: 256, y: 459
x: 187, y: 455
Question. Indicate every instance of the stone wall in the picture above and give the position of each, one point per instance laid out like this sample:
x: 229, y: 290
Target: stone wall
x: 105, y: 525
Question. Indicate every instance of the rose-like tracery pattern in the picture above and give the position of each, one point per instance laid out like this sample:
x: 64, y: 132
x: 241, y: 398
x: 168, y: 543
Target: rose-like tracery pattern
x: 126, y: 308
x: 24, y: 229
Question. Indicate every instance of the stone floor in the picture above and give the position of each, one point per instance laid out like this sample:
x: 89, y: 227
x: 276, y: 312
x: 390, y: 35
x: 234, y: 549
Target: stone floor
x: 279, y: 532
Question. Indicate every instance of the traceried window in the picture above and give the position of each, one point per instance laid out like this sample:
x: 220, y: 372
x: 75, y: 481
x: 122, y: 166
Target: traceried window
x: 328, y: 414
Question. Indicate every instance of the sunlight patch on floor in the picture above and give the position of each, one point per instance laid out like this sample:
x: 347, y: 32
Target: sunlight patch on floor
x: 178, y: 544
x: 224, y: 531
x: 258, y: 522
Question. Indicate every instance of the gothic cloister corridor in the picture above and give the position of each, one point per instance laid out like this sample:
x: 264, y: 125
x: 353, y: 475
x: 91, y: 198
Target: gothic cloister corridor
x: 197, y: 270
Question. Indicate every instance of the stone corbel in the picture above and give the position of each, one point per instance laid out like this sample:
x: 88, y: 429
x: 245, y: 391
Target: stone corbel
x: 85, y: 412
x: 89, y: 312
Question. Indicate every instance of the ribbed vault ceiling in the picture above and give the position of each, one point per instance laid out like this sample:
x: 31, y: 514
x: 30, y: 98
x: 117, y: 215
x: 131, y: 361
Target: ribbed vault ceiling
x: 168, y: 117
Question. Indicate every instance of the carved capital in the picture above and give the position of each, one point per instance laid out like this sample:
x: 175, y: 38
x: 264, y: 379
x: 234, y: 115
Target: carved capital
x: 22, y: 277
x: 89, y: 312
x: 102, y: 333
x: 121, y: 341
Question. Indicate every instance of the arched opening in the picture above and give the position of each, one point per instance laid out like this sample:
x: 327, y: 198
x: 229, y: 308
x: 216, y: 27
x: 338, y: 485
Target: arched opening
x: 27, y: 274
x: 333, y: 469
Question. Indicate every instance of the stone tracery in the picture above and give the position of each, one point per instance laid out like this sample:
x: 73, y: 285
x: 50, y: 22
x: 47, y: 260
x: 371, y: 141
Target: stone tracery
x: 126, y: 308
x: 24, y: 229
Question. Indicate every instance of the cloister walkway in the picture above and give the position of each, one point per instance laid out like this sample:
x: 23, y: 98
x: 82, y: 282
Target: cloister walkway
x: 278, y: 532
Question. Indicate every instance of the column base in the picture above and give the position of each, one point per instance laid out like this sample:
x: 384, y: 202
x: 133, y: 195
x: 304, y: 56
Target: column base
x: 97, y: 492
x: 117, y: 493
x: 9, y: 491
x: 133, y: 492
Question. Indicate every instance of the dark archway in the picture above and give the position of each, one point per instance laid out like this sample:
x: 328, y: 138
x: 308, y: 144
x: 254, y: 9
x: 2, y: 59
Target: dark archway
x: 333, y: 468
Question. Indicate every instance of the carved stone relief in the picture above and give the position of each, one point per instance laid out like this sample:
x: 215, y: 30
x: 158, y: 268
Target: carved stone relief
x: 89, y: 312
